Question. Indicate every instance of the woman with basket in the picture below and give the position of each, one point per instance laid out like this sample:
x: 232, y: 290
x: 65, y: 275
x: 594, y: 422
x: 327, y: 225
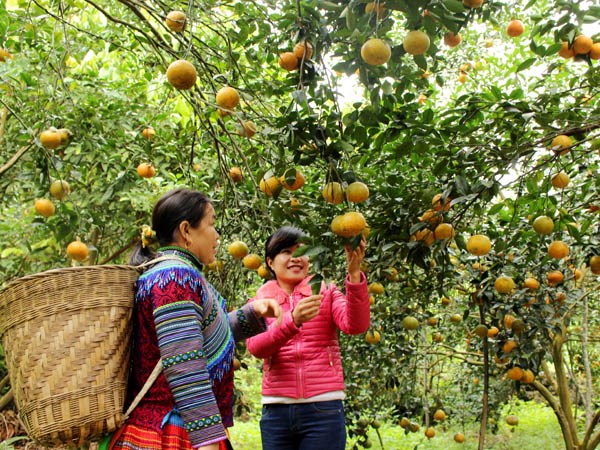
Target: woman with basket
x: 181, y: 320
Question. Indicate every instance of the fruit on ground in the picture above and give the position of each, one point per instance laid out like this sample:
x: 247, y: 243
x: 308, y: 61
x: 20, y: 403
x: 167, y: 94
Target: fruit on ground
x: 148, y: 133
x: 561, y: 144
x: 558, y: 249
x: 595, y: 264
x: 582, y: 45
x: 77, y: 250
x: 543, y: 225
x: 416, y: 42
x: 238, y: 249
x: 227, y: 98
x: 459, y: 437
x: 560, y: 180
x: 303, y: 50
x: 410, y: 323
x: 235, y: 173
x: 375, y: 52
x: 451, y: 39
x: 288, y: 61
x: 270, y: 186
x: 182, y: 74
x: 146, y: 170
x: 294, y: 182
x: 59, y: 189
x: 44, y: 207
x: 376, y: 288
x: 357, y: 192
x: 252, y: 261
x: 50, y: 139
x: 333, y: 193
x: 479, y: 245
x: 429, y: 432
x: 176, y: 21
x: 349, y: 224
x: 504, y: 285
x: 515, y: 28
x: 512, y: 420
x: 531, y: 283
x: 444, y: 231
x: 439, y: 415
x: 372, y: 337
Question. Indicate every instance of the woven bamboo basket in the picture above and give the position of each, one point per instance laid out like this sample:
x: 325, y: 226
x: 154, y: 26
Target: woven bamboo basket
x: 67, y: 334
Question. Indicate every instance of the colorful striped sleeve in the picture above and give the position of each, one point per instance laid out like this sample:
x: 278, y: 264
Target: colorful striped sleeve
x: 181, y: 343
x: 245, y: 323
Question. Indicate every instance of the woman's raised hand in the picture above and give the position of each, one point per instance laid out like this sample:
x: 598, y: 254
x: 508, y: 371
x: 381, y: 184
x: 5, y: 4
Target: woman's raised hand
x: 306, y: 309
x: 268, y: 307
x: 354, y: 257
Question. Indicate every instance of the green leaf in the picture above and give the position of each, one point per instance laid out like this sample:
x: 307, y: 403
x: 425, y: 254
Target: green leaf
x: 526, y: 64
x: 454, y: 6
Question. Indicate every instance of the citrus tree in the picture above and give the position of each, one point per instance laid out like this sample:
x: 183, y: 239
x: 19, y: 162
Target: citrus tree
x: 462, y: 137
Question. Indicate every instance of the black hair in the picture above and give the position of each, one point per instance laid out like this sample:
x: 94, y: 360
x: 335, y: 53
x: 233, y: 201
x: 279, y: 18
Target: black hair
x: 171, y: 209
x: 284, y: 237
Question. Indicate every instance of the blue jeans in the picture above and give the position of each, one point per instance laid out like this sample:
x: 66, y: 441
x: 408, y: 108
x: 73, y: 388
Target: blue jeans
x: 304, y: 426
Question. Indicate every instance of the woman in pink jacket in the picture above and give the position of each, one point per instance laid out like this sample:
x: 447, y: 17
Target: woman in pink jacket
x: 303, y: 380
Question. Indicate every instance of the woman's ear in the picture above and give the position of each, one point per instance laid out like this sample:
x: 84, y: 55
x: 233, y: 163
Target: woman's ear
x: 184, y: 231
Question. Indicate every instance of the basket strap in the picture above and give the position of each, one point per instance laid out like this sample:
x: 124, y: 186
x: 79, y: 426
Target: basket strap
x: 161, y: 258
x: 147, y: 385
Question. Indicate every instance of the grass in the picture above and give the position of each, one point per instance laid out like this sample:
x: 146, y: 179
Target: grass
x: 537, y: 429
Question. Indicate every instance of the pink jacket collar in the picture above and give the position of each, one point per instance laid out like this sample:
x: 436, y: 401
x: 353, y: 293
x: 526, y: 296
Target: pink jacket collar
x: 271, y: 289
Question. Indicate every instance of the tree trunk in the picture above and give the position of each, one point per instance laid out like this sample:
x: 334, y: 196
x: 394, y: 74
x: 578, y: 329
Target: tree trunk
x: 564, y: 396
x: 586, y: 364
x: 486, y: 386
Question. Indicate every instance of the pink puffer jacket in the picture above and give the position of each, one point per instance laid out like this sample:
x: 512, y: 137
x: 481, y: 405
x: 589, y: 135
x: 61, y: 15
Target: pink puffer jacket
x: 301, y: 362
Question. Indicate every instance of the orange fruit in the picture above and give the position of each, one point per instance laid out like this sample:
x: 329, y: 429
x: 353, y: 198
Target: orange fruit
x: 515, y: 373
x: 509, y: 346
x: 357, y: 192
x: 235, y: 174
x: 543, y: 225
x: 444, y: 231
x: 555, y: 277
x: 560, y: 180
x: 270, y: 186
x: 216, y: 266
x: 479, y: 245
x: 350, y: 224
x: 456, y: 318
x: 504, y: 285
x: 376, y: 288
x: 50, y: 138
x: 410, y: 323
x: 372, y: 337
x: 4, y: 54
x: 462, y: 77
x: 561, y: 144
x: 303, y: 50
x: 59, y: 189
x: 473, y: 3
x: 565, y: 51
x: 558, y: 249
x: 148, y: 133
x: 459, y: 438
x: 438, y: 202
x: 527, y: 377
x: 182, y: 74
x: 288, y: 61
x: 439, y: 415
x: 333, y: 193
x: 77, y: 250
x: 429, y: 432
x: 238, y: 249
x: 264, y: 273
x: 248, y: 129
x: 595, y: 264
x: 451, y: 39
x: 531, y: 283
x: 492, y: 332
x: 595, y: 51
x: 375, y: 7
x: 175, y: 20
x: 508, y: 320
x: 65, y: 134
x: 481, y: 330
x: 582, y: 45
x: 297, y: 181
x: 375, y: 52
x: 416, y: 42
x: 146, y: 170
x: 227, y: 98
x: 512, y: 420
x: 425, y: 235
x: 515, y: 28
x: 44, y: 207
x: 252, y: 261
x: 391, y: 273
x: 577, y: 274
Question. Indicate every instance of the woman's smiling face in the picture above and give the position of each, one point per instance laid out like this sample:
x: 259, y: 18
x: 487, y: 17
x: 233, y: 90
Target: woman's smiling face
x: 289, y: 269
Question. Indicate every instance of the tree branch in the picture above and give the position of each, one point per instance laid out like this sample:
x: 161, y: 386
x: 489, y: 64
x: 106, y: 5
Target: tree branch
x: 13, y: 160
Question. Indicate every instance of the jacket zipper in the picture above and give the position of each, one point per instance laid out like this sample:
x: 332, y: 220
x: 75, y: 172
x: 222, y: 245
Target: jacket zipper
x: 329, y: 353
x: 298, y: 352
